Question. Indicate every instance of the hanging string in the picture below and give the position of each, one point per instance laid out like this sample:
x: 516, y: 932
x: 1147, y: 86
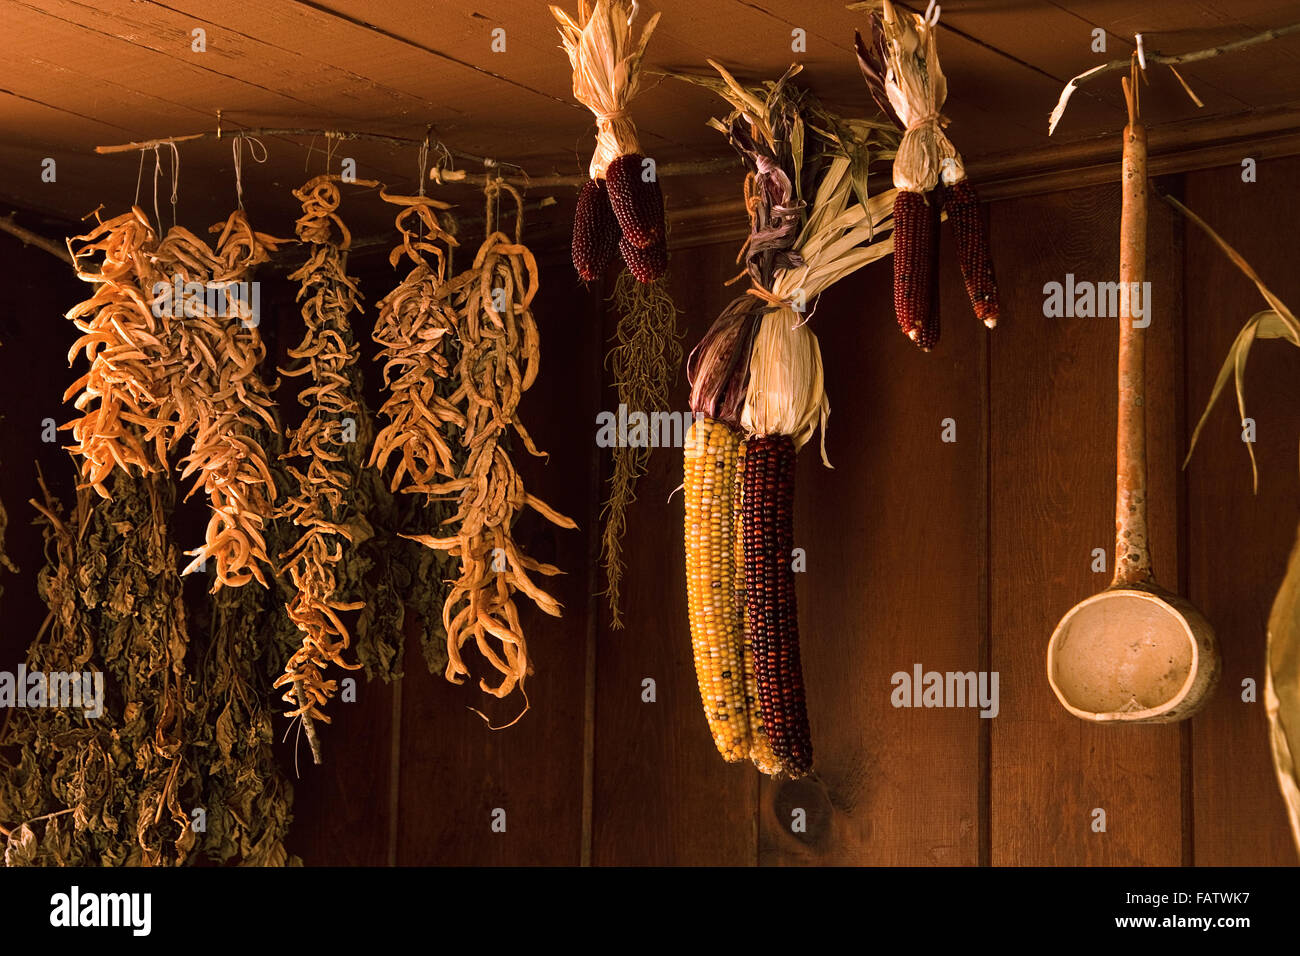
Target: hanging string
x: 139, y: 175
x: 237, y: 153
x: 157, y: 171
x: 176, y: 177
x: 423, y: 161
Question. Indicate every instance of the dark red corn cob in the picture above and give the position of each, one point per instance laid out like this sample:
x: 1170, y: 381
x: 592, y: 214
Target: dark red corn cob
x: 645, y: 264
x: 971, y: 228
x: 767, y: 529
x: 595, y: 231
x: 639, y: 205
x: 916, y: 266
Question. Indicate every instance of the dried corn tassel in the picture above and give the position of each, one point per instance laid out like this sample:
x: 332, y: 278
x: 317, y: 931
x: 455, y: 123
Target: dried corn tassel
x: 606, y: 61
x: 498, y: 358
x: 325, y: 452
x: 711, y: 455
x: 643, y: 360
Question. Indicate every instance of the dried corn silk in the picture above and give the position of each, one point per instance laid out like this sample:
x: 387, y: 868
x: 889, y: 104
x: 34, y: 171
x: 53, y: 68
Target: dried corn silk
x: 643, y: 361
x: 324, y: 451
x: 122, y: 397
x: 216, y: 393
x: 498, y: 343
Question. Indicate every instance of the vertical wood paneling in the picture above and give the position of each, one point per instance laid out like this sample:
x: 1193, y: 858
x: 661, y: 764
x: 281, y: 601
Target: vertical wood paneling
x: 1052, y: 492
x: 455, y: 771
x: 1239, y: 541
x: 662, y: 794
x: 893, y: 536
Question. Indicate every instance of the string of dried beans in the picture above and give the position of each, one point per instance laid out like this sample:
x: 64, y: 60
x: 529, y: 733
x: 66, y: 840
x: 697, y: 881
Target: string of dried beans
x: 326, y: 450
x: 499, y: 352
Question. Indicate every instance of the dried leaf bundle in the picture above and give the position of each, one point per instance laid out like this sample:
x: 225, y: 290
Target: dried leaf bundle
x: 324, y: 451
x: 120, y: 788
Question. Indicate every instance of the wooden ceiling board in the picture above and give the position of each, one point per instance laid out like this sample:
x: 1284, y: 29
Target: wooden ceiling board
x: 75, y: 74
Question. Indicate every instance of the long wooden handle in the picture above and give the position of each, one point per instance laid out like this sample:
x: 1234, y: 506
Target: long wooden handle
x: 1132, y: 554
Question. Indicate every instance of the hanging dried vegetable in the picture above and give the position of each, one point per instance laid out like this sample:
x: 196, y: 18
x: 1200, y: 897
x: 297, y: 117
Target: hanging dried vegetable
x: 621, y: 205
x: 122, y: 398
x: 498, y: 354
x: 165, y: 365
x: 758, y: 373
x: 121, y: 788
x: 325, y: 452
x: 902, y: 71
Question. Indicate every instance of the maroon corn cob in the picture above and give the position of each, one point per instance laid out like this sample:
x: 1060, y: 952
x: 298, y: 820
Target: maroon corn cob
x: 916, y: 265
x: 595, y: 231
x: 645, y: 264
x: 971, y: 228
x: 767, y: 527
x: 638, y: 205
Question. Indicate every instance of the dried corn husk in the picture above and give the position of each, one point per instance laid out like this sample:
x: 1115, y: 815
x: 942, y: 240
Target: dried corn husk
x: 916, y: 88
x: 786, y: 391
x: 1282, y: 656
x: 606, y: 59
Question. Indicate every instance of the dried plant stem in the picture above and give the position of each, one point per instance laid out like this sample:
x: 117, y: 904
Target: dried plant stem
x: 644, y: 361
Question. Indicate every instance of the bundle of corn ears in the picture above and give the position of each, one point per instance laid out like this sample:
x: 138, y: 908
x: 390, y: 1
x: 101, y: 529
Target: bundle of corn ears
x: 620, y: 206
x: 902, y: 71
x: 498, y: 342
x: 325, y: 452
x: 759, y: 371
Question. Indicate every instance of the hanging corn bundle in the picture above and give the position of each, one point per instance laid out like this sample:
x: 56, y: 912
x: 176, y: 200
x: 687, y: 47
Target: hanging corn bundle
x: 621, y: 205
x: 498, y: 354
x: 758, y: 372
x: 901, y: 67
x: 325, y: 453
x: 621, y: 208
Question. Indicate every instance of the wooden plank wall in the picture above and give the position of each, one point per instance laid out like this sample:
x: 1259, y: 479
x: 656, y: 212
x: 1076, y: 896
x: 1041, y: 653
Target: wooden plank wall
x: 954, y: 556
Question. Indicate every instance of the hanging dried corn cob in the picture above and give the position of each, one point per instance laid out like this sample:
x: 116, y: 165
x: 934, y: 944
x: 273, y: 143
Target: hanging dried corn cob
x: 623, y: 192
x: 901, y: 67
x: 326, y: 451
x: 760, y: 367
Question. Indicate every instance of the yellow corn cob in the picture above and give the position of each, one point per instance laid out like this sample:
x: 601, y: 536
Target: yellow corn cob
x: 711, y: 456
x: 760, y: 748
